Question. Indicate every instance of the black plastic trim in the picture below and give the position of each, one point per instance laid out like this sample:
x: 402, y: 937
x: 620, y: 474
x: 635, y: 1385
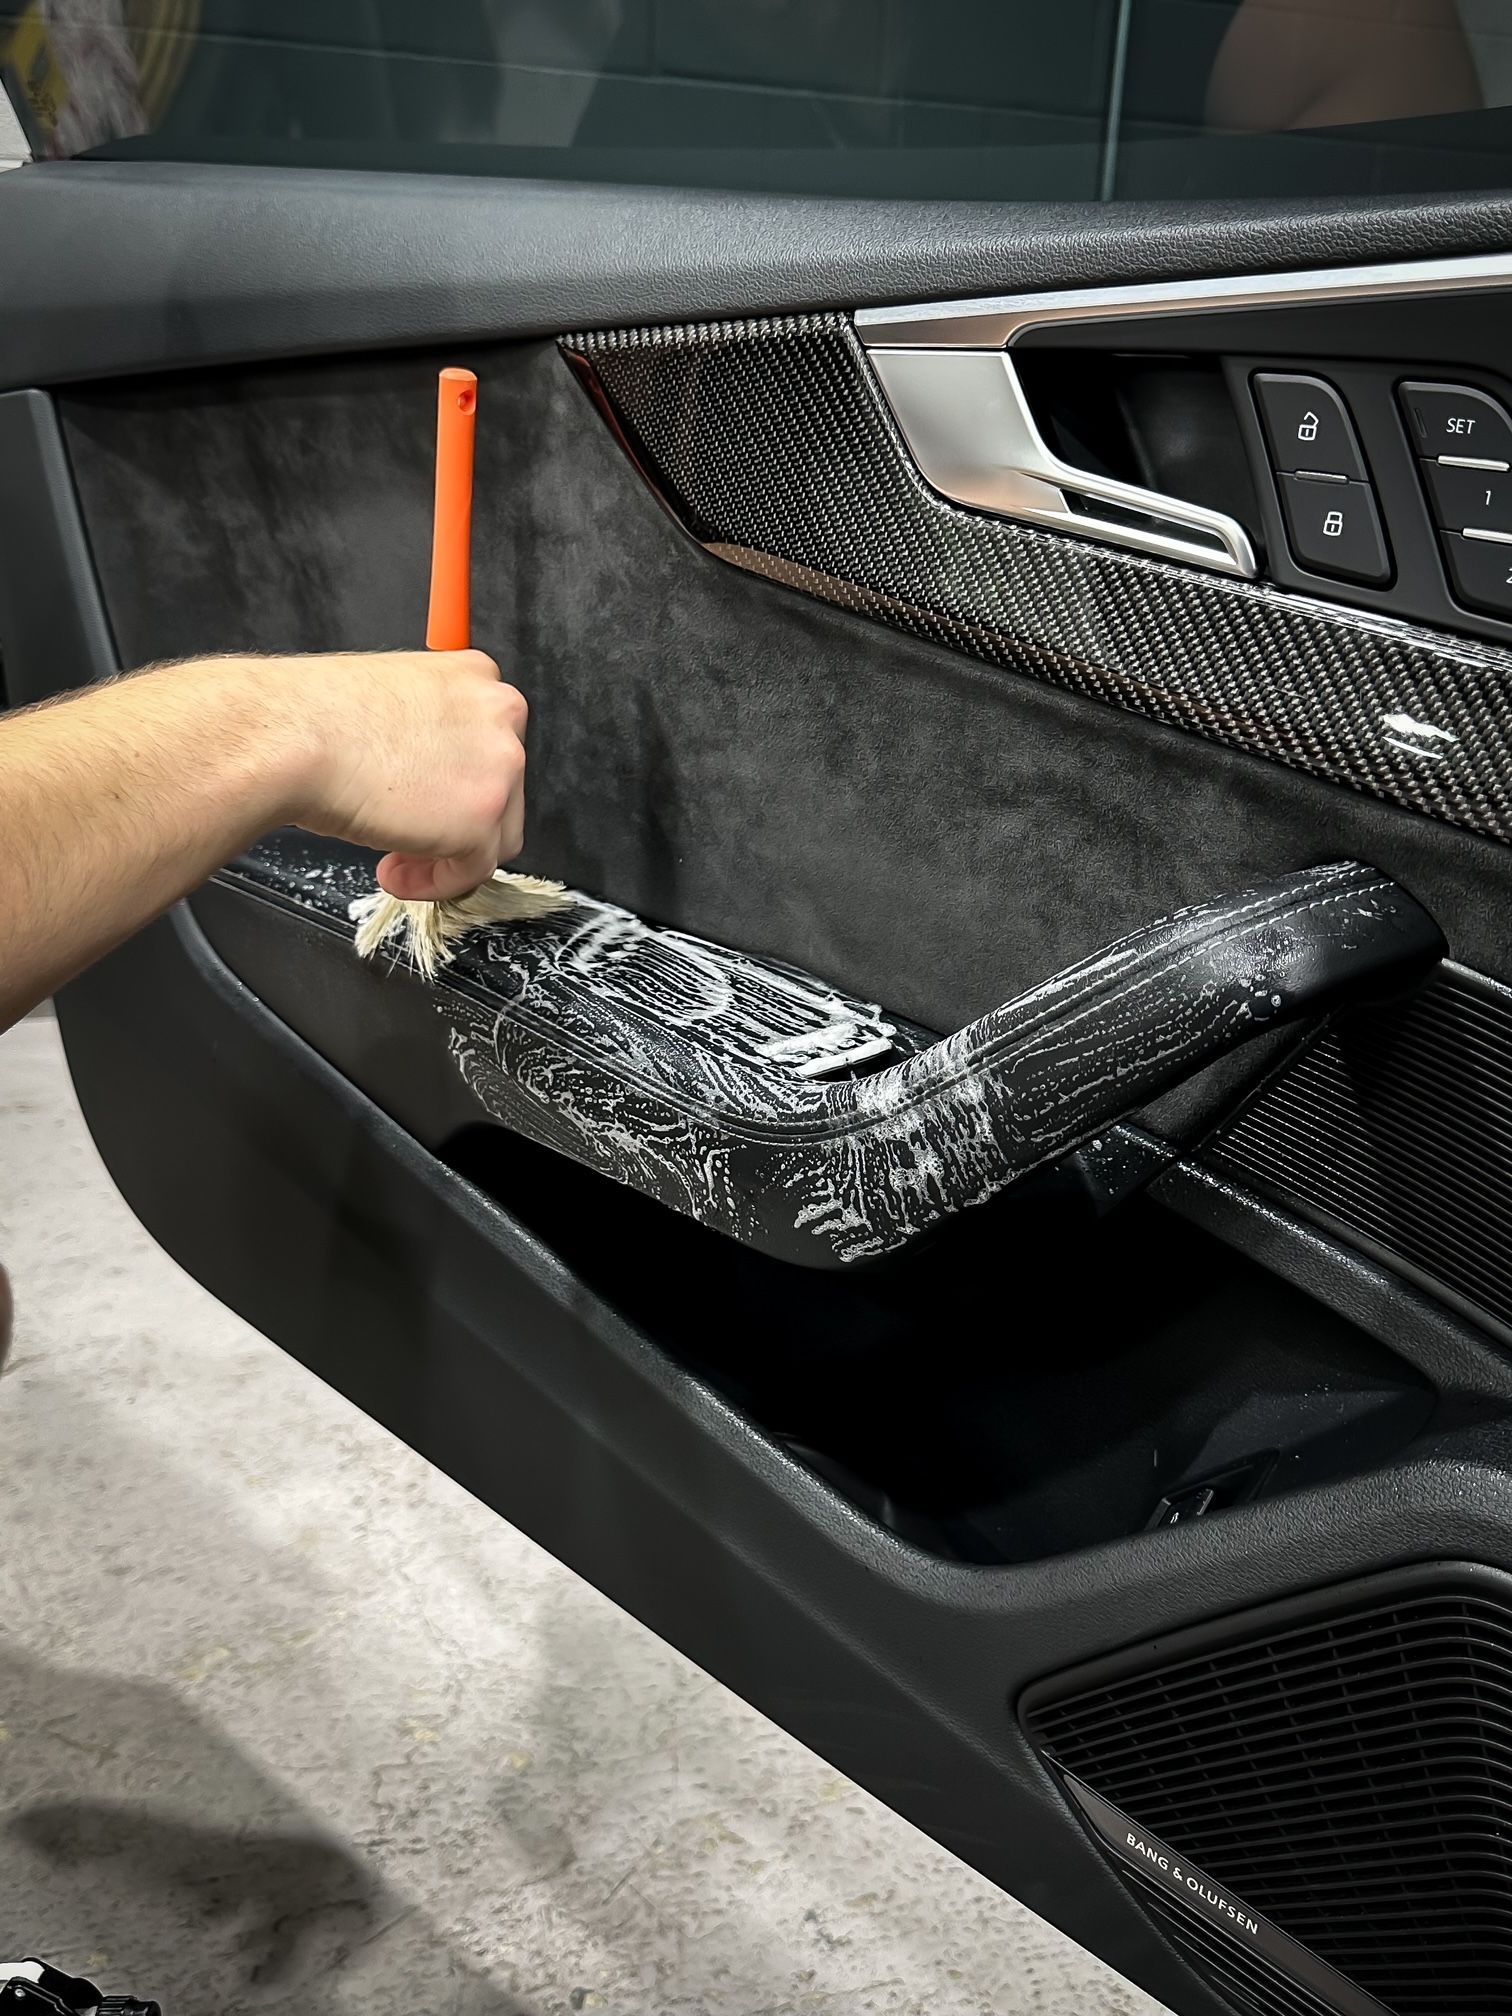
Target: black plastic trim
x: 60, y: 618
x: 115, y: 267
x: 1459, y: 1349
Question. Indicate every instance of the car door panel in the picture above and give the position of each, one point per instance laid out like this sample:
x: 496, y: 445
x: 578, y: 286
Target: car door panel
x: 881, y: 1502
x: 290, y: 509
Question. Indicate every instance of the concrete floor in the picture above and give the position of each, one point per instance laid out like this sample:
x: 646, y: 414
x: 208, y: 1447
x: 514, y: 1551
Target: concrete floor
x: 289, y: 1722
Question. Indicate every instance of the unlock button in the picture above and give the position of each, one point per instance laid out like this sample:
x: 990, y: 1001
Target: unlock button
x: 1334, y: 528
x: 1307, y: 426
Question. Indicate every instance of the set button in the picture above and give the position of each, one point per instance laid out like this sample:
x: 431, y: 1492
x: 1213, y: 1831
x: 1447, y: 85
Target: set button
x: 1457, y: 420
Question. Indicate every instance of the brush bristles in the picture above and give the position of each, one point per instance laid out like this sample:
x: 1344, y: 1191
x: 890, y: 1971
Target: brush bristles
x: 430, y: 932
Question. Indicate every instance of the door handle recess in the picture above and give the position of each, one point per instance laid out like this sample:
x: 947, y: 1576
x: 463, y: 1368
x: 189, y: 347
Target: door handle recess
x: 691, y: 1072
x: 967, y: 424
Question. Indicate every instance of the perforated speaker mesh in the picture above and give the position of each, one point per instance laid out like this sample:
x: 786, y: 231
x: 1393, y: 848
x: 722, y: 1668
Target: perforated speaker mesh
x: 1248, y: 1982
x: 1396, y: 1129
x: 1342, y: 1764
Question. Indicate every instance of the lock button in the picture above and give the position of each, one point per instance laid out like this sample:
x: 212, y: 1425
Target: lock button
x: 1334, y: 528
x: 1307, y: 427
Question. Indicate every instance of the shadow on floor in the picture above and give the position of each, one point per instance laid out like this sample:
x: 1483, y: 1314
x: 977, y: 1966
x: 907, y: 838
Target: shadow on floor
x: 207, y: 1918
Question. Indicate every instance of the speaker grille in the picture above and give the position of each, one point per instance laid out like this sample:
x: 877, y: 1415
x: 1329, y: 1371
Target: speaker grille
x: 1396, y: 1127
x: 1248, y: 1983
x: 1342, y: 1764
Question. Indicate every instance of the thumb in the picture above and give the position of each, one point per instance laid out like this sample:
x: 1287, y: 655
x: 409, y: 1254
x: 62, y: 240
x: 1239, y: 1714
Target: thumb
x: 416, y: 879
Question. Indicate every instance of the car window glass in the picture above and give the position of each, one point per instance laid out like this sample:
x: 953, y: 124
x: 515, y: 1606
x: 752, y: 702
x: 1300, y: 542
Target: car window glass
x: 1005, y: 100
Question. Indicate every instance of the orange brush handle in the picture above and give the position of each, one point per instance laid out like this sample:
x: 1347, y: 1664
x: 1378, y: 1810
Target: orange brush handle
x: 450, y: 624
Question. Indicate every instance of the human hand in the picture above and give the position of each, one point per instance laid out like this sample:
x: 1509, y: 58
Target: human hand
x: 421, y: 753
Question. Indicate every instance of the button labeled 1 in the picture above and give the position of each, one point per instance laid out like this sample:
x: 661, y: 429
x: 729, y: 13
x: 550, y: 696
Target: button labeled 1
x: 1335, y: 529
x: 1462, y: 497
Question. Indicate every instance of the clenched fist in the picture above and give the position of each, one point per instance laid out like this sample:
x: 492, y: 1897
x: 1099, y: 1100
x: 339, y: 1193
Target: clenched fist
x: 420, y: 753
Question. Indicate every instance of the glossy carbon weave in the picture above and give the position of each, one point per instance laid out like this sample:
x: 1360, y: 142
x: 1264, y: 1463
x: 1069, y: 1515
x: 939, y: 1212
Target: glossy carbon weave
x: 686, y: 1070
x: 771, y: 442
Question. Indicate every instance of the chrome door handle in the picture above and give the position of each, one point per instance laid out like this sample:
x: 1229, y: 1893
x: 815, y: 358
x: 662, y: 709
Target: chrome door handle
x: 967, y: 424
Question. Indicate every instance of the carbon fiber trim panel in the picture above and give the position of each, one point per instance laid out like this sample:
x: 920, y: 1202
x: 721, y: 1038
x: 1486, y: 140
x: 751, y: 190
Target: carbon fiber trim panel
x: 770, y: 442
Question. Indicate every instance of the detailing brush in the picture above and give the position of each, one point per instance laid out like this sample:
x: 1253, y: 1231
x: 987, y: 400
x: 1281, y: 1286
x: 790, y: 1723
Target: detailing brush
x: 430, y: 932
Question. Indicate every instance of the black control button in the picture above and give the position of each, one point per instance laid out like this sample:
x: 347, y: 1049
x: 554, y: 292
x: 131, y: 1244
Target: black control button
x: 1462, y: 497
x: 1334, y: 528
x: 1481, y: 570
x: 1457, y: 420
x: 1188, y: 1505
x: 1307, y: 426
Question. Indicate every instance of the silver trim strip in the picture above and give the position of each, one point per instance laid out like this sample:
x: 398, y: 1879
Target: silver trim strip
x: 997, y: 321
x: 1492, y: 538
x: 969, y: 429
x: 1471, y: 462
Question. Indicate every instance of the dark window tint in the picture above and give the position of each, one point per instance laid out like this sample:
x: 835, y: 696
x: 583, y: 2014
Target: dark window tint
x: 1001, y: 99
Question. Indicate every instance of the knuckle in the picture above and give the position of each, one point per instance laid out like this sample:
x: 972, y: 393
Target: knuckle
x: 514, y: 708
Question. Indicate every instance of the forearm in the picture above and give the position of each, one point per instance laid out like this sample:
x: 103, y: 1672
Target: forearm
x: 118, y: 801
